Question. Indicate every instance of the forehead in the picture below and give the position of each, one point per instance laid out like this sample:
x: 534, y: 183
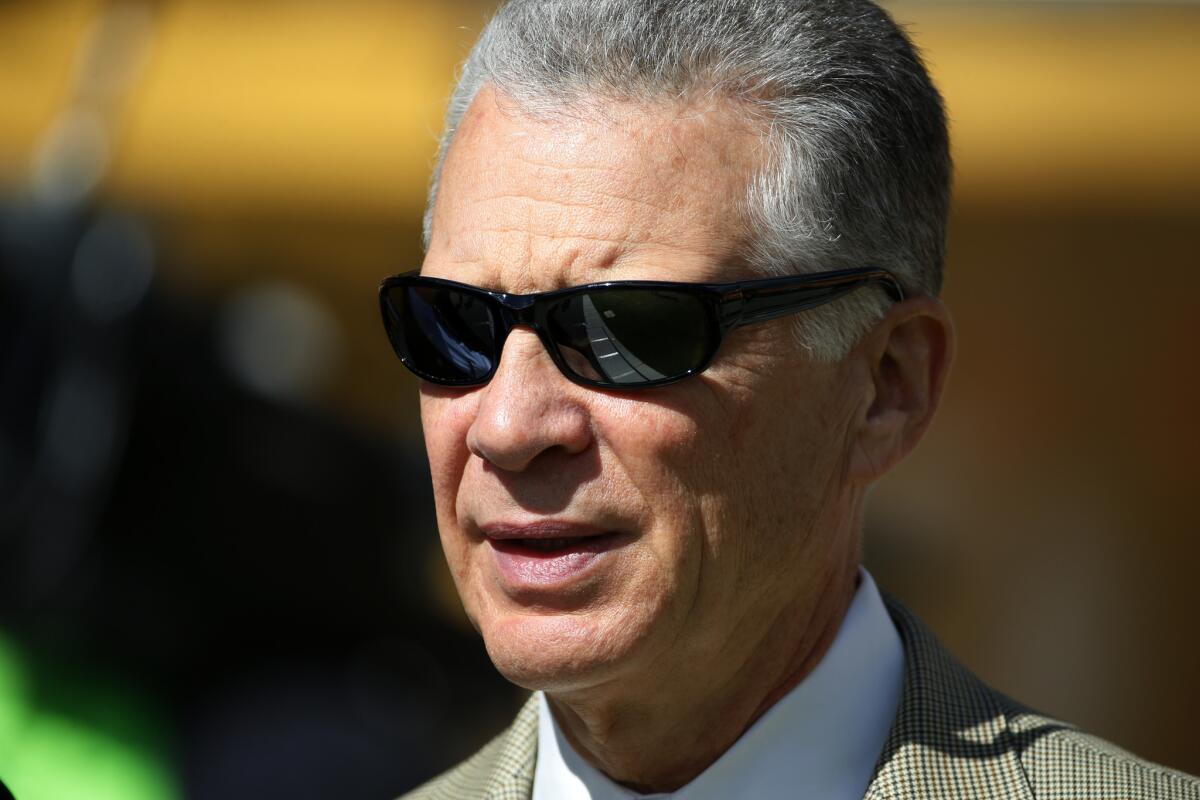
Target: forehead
x: 529, y: 203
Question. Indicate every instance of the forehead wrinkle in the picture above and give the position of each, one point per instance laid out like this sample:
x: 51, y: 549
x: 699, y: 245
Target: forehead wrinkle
x: 620, y: 176
x: 469, y: 241
x: 574, y: 147
x: 570, y: 236
x: 518, y: 260
x: 640, y: 190
x: 615, y: 197
x: 589, y: 215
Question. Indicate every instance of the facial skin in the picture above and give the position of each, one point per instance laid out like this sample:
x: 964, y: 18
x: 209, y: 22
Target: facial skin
x: 734, y: 498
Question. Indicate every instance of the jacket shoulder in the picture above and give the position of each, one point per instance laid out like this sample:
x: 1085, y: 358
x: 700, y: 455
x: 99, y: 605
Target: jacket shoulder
x: 501, y: 770
x: 1064, y: 762
x: 953, y: 730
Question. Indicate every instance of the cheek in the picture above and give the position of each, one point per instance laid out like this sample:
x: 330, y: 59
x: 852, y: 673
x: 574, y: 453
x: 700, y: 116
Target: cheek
x: 685, y: 444
x: 747, y: 460
x: 786, y: 469
x: 683, y: 454
x: 666, y: 461
x: 445, y: 419
x: 656, y: 446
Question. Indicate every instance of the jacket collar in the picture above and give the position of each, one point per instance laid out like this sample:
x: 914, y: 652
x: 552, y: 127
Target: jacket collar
x: 951, y: 736
x: 512, y: 774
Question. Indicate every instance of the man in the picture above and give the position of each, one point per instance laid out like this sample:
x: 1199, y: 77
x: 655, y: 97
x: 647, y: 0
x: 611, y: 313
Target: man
x: 650, y: 456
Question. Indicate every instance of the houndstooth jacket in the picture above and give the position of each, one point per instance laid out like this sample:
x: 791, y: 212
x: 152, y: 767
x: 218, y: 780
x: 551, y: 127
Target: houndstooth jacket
x: 953, y: 737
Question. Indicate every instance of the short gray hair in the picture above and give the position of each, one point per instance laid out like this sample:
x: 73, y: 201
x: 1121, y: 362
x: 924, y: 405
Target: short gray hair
x: 858, y: 172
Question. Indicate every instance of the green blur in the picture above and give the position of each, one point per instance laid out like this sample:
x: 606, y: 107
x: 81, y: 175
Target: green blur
x: 63, y: 738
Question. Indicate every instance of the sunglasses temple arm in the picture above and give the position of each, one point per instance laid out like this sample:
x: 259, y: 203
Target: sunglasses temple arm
x: 760, y: 305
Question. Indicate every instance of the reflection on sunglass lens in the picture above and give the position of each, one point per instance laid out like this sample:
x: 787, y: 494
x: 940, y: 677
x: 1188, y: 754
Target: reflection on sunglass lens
x: 631, y: 335
x: 443, y: 333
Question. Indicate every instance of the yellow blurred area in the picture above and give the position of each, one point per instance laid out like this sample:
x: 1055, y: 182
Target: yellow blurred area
x: 331, y: 109
x: 294, y: 107
x: 1075, y: 104
x: 38, y: 50
x: 315, y: 107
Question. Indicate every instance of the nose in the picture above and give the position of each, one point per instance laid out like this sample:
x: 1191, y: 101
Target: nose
x: 528, y: 410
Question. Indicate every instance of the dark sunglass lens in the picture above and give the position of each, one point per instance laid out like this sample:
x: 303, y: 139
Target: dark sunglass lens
x: 442, y: 334
x: 629, y: 336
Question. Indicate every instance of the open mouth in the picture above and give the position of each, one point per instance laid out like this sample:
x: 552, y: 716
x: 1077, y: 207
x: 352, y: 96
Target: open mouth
x: 546, y: 561
x: 549, y: 547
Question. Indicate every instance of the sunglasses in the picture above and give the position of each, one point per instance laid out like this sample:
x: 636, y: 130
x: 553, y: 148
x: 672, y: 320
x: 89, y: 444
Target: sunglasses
x: 613, y: 335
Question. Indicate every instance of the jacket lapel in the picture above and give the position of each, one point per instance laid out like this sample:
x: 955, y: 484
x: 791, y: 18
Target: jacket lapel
x: 951, y: 736
x: 511, y: 775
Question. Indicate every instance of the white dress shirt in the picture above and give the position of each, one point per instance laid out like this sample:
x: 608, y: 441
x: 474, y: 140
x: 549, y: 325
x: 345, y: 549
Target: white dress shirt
x: 821, y: 741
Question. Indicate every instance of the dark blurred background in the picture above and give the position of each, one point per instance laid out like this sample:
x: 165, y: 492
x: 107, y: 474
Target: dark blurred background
x: 219, y: 573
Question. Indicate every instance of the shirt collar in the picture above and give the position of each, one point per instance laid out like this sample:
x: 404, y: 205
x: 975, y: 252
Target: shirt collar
x: 821, y: 740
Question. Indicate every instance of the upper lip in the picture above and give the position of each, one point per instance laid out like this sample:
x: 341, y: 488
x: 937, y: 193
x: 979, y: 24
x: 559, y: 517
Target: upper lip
x: 541, y: 529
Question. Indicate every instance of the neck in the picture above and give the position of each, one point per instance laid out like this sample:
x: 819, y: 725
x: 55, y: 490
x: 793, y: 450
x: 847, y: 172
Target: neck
x: 659, y: 737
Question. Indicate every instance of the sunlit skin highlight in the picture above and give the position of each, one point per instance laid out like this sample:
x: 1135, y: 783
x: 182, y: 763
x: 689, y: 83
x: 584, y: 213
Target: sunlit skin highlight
x: 735, y: 496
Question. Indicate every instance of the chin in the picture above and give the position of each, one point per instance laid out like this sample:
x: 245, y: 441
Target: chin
x: 556, y: 652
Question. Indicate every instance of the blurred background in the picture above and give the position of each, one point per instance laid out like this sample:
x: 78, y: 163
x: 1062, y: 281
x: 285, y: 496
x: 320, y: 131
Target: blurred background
x: 219, y: 574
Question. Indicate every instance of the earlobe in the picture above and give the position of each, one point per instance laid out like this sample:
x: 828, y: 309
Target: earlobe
x: 908, y: 355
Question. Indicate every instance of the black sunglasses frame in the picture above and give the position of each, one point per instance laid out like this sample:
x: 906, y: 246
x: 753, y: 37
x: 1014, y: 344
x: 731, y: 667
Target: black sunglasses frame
x: 727, y: 306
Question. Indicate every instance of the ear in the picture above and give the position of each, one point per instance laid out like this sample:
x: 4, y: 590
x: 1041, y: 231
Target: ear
x: 905, y: 360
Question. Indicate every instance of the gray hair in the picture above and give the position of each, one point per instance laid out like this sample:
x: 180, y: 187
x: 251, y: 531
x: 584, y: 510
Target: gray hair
x: 858, y: 168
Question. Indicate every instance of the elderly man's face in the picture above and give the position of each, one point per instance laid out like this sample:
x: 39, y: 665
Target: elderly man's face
x: 686, y: 520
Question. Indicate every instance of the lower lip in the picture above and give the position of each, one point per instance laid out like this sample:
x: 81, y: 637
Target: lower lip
x: 525, y: 567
